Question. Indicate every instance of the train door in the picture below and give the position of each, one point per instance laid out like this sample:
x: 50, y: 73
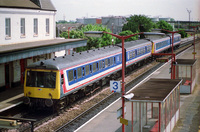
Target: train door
x: 7, y: 76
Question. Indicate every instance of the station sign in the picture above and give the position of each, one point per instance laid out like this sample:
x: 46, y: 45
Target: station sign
x: 194, y: 53
x: 124, y: 121
x: 115, y: 86
x: 162, y: 60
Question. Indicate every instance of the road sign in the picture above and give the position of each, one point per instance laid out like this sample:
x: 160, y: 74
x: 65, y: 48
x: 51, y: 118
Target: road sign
x: 115, y: 86
x: 161, y: 60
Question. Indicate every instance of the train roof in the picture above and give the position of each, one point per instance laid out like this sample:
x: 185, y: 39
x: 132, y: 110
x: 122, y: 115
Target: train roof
x: 74, y: 59
x: 85, y: 57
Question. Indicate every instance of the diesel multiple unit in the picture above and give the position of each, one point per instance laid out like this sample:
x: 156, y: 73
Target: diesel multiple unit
x: 58, y: 81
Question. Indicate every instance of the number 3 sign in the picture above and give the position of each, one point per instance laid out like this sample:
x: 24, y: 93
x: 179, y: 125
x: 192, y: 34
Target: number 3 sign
x: 115, y: 86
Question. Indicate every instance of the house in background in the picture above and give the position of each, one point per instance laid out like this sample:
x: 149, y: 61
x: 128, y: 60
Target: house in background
x: 28, y: 34
x: 114, y: 23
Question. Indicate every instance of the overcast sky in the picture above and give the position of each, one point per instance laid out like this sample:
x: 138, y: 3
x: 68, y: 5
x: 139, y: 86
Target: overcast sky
x: 177, y: 9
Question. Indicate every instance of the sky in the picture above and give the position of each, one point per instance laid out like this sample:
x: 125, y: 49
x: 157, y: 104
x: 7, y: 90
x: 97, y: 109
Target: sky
x: 177, y: 9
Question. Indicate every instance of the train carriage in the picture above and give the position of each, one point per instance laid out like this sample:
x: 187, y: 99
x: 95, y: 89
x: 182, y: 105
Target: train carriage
x: 165, y: 43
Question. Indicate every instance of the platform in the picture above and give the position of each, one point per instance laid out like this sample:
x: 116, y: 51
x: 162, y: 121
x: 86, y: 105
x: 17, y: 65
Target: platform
x: 107, y: 120
x: 11, y: 98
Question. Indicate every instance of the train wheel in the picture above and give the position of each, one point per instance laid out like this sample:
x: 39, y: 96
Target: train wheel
x: 72, y: 98
x: 67, y: 101
x: 56, y: 107
x: 94, y: 86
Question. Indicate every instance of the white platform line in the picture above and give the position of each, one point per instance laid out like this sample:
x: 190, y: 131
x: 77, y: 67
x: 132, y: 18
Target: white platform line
x: 11, y: 106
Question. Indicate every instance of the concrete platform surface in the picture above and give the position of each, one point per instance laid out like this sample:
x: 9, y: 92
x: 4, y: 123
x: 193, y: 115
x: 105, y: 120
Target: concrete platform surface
x: 106, y: 120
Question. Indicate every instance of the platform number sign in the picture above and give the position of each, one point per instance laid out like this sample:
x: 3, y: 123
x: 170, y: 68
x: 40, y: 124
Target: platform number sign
x: 115, y: 86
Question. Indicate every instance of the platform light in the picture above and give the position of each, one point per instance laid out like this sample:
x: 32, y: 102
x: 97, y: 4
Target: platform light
x: 154, y: 33
x: 96, y: 34
x: 188, y: 30
x: 129, y: 96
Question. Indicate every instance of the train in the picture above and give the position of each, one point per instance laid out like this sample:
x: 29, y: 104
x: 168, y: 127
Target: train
x: 59, y: 81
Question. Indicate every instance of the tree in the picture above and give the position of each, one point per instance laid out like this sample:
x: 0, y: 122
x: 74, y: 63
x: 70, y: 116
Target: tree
x: 164, y: 25
x: 92, y: 42
x: 183, y: 33
x: 138, y: 23
x: 126, y: 33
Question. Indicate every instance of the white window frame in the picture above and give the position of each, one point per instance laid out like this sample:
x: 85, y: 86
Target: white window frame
x: 47, y: 26
x: 8, y: 27
x: 35, y: 27
x: 22, y: 27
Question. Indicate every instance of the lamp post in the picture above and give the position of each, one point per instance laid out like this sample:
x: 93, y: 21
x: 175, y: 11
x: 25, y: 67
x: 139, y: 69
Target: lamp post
x: 189, y: 11
x: 112, y: 32
x: 123, y: 64
x: 173, y: 55
x: 194, y: 28
x: 188, y: 31
x: 68, y: 31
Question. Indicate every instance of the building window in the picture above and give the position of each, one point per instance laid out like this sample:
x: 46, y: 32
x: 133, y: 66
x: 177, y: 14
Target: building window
x: 8, y: 27
x: 22, y: 26
x: 35, y: 26
x: 47, y: 26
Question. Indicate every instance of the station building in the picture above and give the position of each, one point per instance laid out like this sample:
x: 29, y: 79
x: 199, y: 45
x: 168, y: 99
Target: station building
x: 28, y: 34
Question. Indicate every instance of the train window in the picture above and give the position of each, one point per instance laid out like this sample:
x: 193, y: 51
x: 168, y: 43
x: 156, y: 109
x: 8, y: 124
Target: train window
x: 142, y: 50
x: 150, y: 48
x: 128, y: 53
x: 90, y: 68
x: 106, y: 63
x: 111, y: 61
x: 147, y: 49
x: 83, y: 71
x: 97, y: 66
x: 70, y: 76
x: 79, y: 72
x: 120, y: 58
x: 114, y: 61
x: 41, y: 79
x: 138, y: 52
x: 87, y: 70
x: 117, y: 58
x: 75, y: 74
x: 100, y: 65
x: 94, y: 66
x: 103, y: 64
x: 62, y: 79
x: 133, y: 53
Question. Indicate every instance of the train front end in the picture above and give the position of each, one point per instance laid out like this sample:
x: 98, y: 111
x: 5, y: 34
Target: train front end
x: 41, y: 87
